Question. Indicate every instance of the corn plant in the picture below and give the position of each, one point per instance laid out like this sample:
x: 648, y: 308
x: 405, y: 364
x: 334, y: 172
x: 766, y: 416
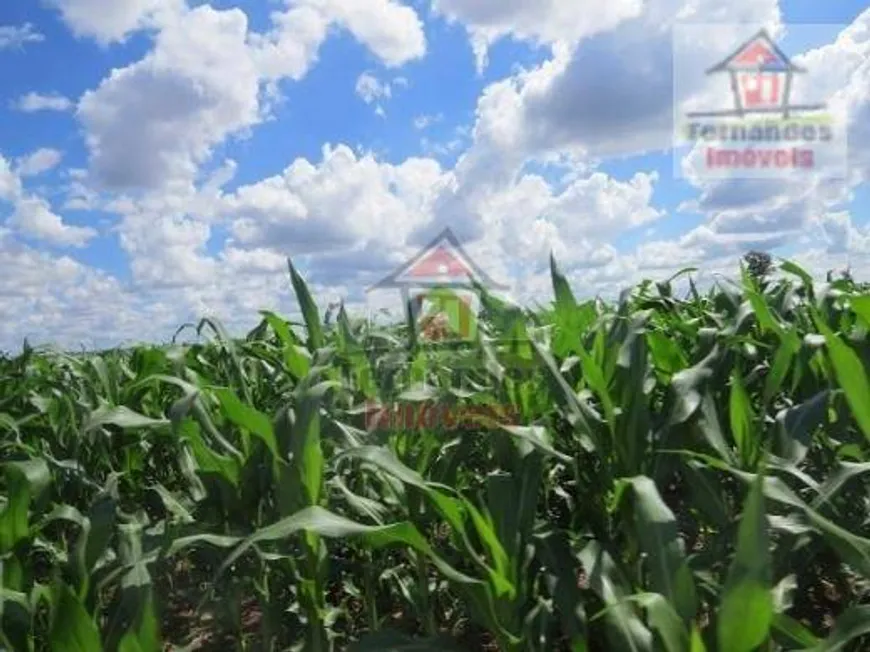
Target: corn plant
x: 679, y: 470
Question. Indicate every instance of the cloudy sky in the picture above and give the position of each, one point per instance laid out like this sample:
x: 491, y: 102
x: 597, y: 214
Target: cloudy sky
x: 161, y: 159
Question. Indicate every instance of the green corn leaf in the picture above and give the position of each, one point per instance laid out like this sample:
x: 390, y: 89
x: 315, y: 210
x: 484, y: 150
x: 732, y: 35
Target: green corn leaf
x: 850, y: 625
x: 687, y: 385
x: 297, y: 359
x: 594, y: 376
x: 565, y: 300
x: 664, y: 621
x: 228, y: 347
x: 667, y: 355
x: 565, y: 396
x: 861, y: 306
x: 656, y: 529
x: 710, y: 428
x: 745, y: 616
x: 766, y: 319
x: 248, y: 418
x: 624, y: 628
x: 145, y: 635
x: 851, y: 376
x: 25, y: 480
x: 788, y: 629
x: 835, y: 481
x: 326, y: 524
x: 746, y: 612
x: 742, y: 418
x: 72, y: 629
x: 797, y: 270
x: 310, y: 313
x: 782, y: 362
x: 697, y: 642
x: 853, y: 549
x: 796, y: 425
x: 122, y: 417
x: 16, y: 618
x: 555, y: 551
x: 530, y: 438
x: 102, y: 517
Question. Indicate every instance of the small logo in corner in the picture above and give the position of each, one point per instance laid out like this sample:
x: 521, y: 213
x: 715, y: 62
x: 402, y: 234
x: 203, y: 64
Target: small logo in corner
x: 760, y: 129
x: 761, y: 78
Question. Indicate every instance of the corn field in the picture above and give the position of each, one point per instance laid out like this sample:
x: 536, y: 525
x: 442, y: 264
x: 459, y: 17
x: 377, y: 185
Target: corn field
x: 681, y: 471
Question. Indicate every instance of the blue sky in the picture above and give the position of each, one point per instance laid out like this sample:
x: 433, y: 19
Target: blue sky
x: 343, y: 136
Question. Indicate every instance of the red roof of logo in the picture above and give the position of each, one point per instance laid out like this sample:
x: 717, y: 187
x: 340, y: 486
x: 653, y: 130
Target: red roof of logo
x: 757, y: 53
x: 440, y: 262
x: 760, y: 53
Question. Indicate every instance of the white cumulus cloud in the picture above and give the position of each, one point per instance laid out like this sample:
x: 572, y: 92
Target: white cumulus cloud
x: 15, y: 37
x: 33, y: 102
x: 33, y: 217
x: 108, y: 22
x: 155, y: 121
x: 545, y: 21
x: 39, y: 161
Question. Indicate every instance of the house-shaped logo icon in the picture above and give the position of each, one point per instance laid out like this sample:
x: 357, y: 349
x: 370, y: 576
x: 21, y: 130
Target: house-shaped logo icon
x: 438, y: 290
x: 761, y: 79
